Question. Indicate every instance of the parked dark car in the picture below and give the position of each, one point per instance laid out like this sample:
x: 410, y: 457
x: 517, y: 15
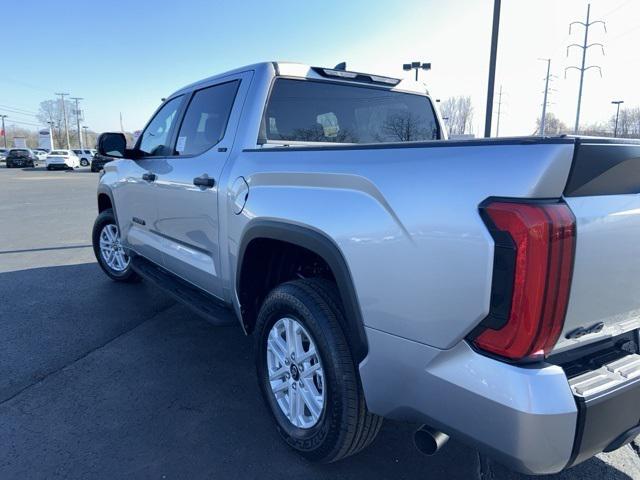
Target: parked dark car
x: 21, y: 157
x: 99, y: 161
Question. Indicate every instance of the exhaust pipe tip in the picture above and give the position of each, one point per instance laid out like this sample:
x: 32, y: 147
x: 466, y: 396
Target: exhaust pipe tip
x: 428, y: 440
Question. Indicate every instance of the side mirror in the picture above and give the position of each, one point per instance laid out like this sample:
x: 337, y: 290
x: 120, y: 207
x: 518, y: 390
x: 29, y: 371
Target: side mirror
x: 112, y: 144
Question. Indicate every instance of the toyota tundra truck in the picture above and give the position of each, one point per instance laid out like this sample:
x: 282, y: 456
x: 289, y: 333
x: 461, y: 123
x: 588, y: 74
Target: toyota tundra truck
x: 487, y: 290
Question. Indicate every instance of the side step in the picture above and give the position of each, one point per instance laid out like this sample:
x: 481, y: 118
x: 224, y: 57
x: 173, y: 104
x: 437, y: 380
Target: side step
x: 204, y: 304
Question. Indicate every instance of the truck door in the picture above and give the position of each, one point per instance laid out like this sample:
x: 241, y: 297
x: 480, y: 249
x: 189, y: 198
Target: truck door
x: 188, y: 206
x: 136, y: 194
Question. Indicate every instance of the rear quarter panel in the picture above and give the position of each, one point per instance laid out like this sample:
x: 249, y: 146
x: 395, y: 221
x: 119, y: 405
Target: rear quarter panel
x: 405, y: 219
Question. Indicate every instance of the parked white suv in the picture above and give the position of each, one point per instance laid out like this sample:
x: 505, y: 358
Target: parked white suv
x: 85, y: 156
x: 62, y: 159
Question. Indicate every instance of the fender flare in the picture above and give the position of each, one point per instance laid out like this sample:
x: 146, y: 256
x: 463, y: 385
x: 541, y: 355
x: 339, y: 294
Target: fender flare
x: 323, y: 246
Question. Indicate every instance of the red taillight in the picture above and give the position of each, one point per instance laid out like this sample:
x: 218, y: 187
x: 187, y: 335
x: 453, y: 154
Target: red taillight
x: 543, y: 236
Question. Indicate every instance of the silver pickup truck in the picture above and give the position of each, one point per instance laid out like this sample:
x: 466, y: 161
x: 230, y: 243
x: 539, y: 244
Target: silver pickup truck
x: 488, y: 290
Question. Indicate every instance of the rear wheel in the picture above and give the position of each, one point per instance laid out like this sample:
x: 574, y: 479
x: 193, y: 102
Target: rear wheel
x: 108, y: 249
x: 84, y: 162
x: 307, y: 375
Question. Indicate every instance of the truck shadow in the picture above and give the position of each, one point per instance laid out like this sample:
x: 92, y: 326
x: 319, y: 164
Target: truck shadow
x: 101, y: 377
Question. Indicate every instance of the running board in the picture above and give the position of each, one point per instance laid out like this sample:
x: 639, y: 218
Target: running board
x: 204, y: 304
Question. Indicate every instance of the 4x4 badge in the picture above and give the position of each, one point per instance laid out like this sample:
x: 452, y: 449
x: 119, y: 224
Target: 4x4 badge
x: 581, y: 332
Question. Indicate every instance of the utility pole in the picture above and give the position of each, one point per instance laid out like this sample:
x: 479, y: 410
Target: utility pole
x: 121, y: 126
x: 4, y: 132
x: 617, y: 103
x: 77, y: 100
x: 585, y: 46
x: 51, y: 124
x: 417, y: 66
x: 499, y: 110
x: 64, y: 115
x: 84, y: 129
x: 543, y: 119
x: 492, y: 67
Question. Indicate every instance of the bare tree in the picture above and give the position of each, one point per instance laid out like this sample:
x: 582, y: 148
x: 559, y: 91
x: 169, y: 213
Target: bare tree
x: 458, y: 115
x: 553, y: 125
x: 406, y: 127
x: 51, y: 111
x: 628, y: 122
x: 13, y: 131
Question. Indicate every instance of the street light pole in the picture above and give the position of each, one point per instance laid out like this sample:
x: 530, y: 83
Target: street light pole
x: 84, y: 129
x: 617, y: 103
x: 492, y: 67
x: 417, y: 66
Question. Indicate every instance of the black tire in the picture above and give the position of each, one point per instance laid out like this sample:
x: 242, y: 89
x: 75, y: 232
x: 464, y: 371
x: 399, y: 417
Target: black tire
x: 345, y: 426
x: 105, y: 218
x: 84, y: 163
x: 48, y: 167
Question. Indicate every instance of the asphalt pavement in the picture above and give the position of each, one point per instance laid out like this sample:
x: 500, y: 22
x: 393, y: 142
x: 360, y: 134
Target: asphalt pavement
x: 105, y: 380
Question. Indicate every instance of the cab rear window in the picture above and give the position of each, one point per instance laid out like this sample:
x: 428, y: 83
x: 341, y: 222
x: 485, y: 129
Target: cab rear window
x: 314, y: 111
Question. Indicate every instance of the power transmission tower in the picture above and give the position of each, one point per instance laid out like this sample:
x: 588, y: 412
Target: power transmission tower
x: 77, y: 100
x: 4, y: 132
x: 64, y: 115
x: 585, y: 46
x: 543, y: 119
x: 499, y: 112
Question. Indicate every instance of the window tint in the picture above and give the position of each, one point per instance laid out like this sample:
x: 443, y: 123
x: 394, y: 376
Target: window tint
x: 309, y: 111
x: 19, y: 153
x: 206, y: 118
x: 155, y: 139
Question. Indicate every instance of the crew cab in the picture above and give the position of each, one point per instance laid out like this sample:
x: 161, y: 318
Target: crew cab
x: 483, y: 289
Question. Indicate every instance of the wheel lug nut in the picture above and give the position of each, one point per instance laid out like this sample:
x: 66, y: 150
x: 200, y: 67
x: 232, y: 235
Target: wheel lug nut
x: 293, y: 386
x: 293, y: 356
x: 286, y: 361
x: 300, y: 383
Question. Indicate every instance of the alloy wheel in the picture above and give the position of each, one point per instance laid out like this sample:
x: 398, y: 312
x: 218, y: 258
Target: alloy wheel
x: 111, y: 249
x: 295, y: 372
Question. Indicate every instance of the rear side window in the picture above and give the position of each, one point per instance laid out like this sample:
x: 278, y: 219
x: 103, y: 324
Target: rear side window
x: 19, y: 153
x: 154, y: 142
x: 310, y: 111
x: 205, y: 120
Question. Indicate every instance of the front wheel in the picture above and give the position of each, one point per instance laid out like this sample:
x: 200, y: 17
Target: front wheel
x: 84, y: 163
x: 108, y: 249
x: 307, y: 375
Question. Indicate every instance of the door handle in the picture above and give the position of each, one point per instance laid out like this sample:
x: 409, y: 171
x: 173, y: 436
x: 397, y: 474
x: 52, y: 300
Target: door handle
x: 204, y: 181
x: 149, y: 177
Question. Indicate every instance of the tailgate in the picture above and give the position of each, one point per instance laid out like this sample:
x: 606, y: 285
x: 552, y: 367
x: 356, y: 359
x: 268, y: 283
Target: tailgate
x: 603, y: 191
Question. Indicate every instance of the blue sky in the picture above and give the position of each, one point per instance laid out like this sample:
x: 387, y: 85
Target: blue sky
x: 124, y: 56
